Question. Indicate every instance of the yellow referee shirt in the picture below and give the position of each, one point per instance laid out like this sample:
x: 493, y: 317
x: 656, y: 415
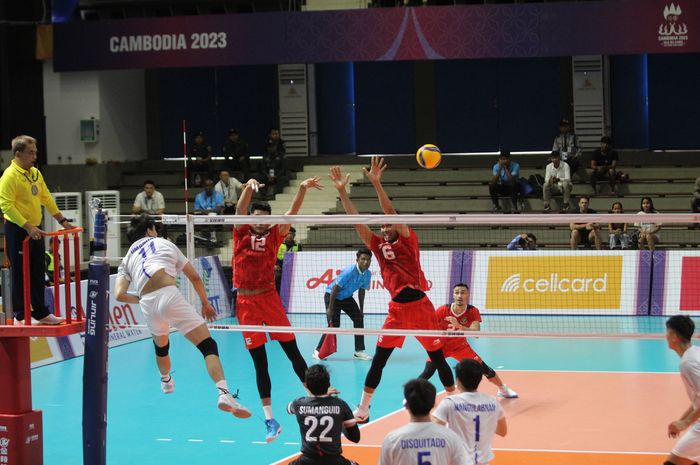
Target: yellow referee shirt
x: 22, y: 193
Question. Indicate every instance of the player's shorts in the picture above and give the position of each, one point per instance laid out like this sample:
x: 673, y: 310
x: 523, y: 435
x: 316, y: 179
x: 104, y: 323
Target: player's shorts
x: 419, y: 314
x: 325, y: 460
x: 458, y: 352
x: 262, y: 309
x: 167, y: 307
x: 689, y: 445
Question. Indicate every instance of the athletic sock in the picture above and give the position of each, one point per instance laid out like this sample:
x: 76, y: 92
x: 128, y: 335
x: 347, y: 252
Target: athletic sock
x: 364, y: 401
x: 222, y: 386
x: 268, y: 411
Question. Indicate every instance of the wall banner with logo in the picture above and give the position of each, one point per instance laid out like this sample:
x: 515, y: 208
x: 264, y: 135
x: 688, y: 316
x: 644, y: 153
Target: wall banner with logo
x: 679, y: 288
x: 307, y: 274
x: 123, y: 317
x: 556, y: 282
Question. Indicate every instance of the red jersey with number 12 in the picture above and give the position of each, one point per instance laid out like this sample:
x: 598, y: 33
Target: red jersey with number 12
x: 254, y: 257
x: 399, y: 262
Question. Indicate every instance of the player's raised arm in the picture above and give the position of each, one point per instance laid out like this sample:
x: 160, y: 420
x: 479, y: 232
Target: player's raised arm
x: 340, y: 182
x: 249, y: 188
x: 375, y: 177
x: 294, y: 208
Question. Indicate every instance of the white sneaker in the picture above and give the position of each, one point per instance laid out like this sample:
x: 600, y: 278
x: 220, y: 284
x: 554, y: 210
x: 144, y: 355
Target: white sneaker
x: 167, y: 384
x: 361, y: 414
x: 18, y: 322
x: 228, y: 403
x: 362, y: 355
x: 315, y: 355
x: 507, y: 392
x: 51, y: 320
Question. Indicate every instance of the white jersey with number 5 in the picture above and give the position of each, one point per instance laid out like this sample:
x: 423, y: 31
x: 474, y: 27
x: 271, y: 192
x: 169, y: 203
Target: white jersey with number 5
x: 474, y: 417
x: 148, y: 255
x: 423, y: 443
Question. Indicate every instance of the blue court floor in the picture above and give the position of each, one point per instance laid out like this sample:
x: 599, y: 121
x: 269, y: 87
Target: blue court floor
x: 146, y: 427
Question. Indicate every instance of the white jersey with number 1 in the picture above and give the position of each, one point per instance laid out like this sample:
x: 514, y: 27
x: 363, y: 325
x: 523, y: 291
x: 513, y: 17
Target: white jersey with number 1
x: 474, y: 417
x: 424, y: 443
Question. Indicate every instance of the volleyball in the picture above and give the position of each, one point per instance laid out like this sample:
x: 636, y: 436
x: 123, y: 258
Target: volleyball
x: 429, y: 156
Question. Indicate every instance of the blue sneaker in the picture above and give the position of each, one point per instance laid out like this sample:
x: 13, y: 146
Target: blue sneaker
x: 273, y: 430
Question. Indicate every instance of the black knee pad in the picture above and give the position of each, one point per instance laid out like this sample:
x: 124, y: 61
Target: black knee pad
x: 162, y: 351
x: 208, y: 347
x: 488, y: 371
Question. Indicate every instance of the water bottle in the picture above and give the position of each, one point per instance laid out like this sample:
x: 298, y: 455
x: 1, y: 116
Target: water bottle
x: 99, y: 243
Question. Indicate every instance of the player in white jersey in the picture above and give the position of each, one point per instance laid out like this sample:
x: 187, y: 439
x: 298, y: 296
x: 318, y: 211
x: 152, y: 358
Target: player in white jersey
x: 151, y: 265
x: 679, y: 331
x: 473, y: 415
x: 421, y: 441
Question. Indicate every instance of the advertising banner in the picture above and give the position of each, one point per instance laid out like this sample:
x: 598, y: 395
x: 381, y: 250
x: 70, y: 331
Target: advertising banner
x: 679, y: 291
x: 382, y: 34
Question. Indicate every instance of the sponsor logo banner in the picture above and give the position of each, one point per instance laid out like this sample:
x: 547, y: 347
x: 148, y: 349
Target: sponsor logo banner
x: 551, y: 283
x: 690, y: 277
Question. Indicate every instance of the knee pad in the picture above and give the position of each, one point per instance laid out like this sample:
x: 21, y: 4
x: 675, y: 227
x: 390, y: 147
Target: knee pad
x: 488, y: 371
x: 162, y: 351
x: 208, y: 347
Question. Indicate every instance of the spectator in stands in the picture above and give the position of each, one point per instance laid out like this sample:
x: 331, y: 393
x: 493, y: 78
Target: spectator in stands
x: 505, y: 181
x: 585, y: 233
x: 200, y: 157
x: 695, y: 203
x: 618, y: 231
x: 288, y: 245
x: 229, y: 187
x: 238, y: 152
x: 567, y: 144
x: 648, y: 232
x: 524, y: 241
x: 209, y: 201
x: 149, y: 201
x: 557, y: 180
x: 272, y: 170
x: 603, y: 165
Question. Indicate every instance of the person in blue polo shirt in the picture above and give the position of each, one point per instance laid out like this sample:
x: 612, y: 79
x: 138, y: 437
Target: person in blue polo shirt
x: 338, y: 297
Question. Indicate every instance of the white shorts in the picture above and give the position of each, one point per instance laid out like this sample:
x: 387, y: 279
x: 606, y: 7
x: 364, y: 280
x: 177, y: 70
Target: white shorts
x: 689, y: 445
x: 167, y: 307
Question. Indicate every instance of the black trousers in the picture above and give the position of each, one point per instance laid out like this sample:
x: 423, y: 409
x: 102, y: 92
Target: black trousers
x: 14, y: 235
x: 511, y: 189
x: 349, y: 306
x: 325, y: 460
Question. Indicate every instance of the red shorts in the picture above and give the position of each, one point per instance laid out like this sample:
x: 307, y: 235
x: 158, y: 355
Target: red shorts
x: 410, y: 315
x: 459, y: 351
x: 262, y: 309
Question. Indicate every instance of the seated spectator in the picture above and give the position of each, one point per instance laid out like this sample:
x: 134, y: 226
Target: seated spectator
x: 618, y: 231
x: 567, y: 144
x: 648, y: 232
x: 585, y: 233
x: 272, y: 169
x: 603, y: 165
x: 238, y: 152
x: 288, y: 245
x: 209, y: 201
x: 557, y: 180
x: 200, y: 157
x: 149, y: 201
x: 505, y: 181
x: 524, y: 241
x: 229, y: 187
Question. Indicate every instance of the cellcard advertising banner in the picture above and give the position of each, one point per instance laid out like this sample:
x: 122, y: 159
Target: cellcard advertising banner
x: 518, y: 30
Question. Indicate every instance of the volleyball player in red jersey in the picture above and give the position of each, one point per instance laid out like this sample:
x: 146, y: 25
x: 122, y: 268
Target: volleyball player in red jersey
x: 398, y: 255
x: 461, y: 316
x: 255, y: 249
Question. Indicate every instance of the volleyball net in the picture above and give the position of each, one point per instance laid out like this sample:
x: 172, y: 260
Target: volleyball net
x: 604, y: 283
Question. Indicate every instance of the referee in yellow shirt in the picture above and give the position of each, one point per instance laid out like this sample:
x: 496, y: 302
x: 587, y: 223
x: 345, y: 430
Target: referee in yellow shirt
x: 22, y: 194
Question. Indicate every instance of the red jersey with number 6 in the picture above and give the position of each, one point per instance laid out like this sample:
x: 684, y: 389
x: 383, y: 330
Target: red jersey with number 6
x: 254, y: 257
x: 399, y: 262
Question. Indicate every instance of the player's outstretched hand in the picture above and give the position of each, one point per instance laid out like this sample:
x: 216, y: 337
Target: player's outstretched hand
x: 375, y: 170
x: 675, y: 428
x: 254, y: 184
x: 314, y: 182
x: 337, y: 177
x: 332, y: 391
x: 208, y: 312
